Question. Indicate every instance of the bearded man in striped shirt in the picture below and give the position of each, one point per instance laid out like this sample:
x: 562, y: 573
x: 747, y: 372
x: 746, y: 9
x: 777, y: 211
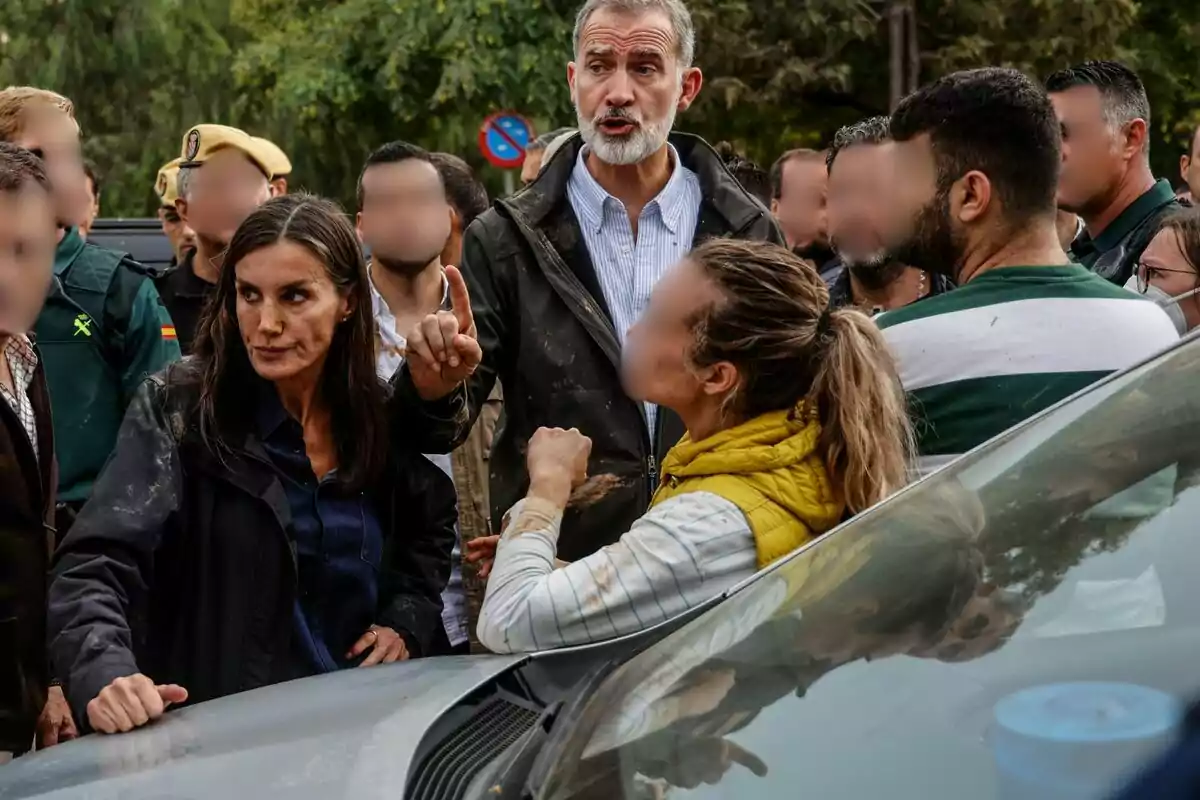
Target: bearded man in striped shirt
x: 977, y: 157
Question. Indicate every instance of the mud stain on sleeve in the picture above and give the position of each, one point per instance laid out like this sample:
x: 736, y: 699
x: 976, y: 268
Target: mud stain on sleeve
x: 593, y: 490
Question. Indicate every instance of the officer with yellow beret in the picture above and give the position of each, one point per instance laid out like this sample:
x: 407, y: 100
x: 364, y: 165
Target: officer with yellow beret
x: 174, y: 228
x: 281, y: 166
x: 223, y: 175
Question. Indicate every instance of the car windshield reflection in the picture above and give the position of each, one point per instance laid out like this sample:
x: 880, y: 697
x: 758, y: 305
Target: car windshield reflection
x: 1022, y: 624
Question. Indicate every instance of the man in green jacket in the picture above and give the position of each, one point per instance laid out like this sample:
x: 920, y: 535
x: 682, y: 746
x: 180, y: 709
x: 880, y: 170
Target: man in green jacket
x: 103, y: 328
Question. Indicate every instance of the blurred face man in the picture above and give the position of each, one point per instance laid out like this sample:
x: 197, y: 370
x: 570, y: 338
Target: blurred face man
x: 1104, y: 120
x: 28, y: 238
x: 405, y: 218
x: 857, y: 211
x: 1092, y: 150
x: 983, y: 195
x: 467, y: 198
x: 926, y: 235
x: 1189, y: 166
x: 181, y: 237
x: 217, y: 196
x: 631, y: 76
x: 800, y: 186
x: 44, y: 123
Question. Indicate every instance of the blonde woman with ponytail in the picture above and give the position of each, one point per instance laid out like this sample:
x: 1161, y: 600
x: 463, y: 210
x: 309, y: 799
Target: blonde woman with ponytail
x: 795, y: 420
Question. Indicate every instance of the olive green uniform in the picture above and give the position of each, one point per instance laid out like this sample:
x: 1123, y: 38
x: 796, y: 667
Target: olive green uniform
x: 102, y: 331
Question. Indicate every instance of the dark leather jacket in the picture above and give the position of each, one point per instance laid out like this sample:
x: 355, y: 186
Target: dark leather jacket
x: 548, y: 338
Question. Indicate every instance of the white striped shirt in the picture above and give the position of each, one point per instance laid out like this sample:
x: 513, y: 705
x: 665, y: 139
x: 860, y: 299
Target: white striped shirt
x: 1010, y: 343
x: 681, y: 553
x: 628, y: 267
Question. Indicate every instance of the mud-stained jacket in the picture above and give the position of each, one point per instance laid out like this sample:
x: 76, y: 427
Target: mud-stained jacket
x: 182, y: 565
x: 547, y: 336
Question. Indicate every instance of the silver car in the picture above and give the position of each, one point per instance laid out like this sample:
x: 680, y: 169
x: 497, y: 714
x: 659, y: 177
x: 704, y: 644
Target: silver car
x: 1024, y: 623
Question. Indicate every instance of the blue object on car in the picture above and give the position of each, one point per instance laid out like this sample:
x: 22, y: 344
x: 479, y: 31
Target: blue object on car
x: 1062, y: 740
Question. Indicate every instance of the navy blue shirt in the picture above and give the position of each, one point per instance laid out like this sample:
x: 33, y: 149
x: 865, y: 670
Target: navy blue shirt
x: 338, y: 542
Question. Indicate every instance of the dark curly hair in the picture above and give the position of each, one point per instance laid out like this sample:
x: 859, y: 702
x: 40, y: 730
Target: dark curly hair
x: 872, y: 130
x: 993, y: 120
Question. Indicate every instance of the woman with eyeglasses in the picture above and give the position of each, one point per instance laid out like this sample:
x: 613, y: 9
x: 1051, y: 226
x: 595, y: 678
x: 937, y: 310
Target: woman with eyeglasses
x: 1168, y: 273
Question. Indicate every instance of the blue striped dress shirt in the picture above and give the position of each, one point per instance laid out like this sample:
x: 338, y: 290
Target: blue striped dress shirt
x: 628, y: 267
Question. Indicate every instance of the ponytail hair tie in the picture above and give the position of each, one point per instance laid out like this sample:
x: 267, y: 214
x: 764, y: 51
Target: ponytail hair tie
x: 824, y: 324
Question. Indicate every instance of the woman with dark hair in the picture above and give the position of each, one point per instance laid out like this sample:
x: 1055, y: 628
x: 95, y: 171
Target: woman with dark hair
x: 259, y: 520
x: 795, y: 416
x: 1169, y: 270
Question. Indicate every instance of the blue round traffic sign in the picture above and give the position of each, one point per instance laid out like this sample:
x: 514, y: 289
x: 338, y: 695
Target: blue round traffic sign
x: 503, y: 139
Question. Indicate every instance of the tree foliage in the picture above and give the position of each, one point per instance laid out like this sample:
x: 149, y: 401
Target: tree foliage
x: 330, y: 80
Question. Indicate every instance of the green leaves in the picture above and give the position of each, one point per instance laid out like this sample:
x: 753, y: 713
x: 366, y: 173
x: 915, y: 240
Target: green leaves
x: 329, y: 80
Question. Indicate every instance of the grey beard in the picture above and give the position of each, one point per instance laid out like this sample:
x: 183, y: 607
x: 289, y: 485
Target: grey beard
x: 649, y: 137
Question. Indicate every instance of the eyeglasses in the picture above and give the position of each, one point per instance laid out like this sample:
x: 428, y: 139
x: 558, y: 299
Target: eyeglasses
x: 1144, y: 270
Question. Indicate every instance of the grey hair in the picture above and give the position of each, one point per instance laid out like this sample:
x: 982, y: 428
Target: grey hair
x: 676, y: 11
x: 872, y: 130
x: 183, y: 182
x: 1123, y: 109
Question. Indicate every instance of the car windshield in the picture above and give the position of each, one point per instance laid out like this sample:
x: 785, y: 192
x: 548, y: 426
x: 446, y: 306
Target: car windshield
x: 1023, y: 624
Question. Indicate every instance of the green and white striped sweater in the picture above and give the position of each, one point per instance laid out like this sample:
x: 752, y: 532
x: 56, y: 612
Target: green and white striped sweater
x: 1012, y: 342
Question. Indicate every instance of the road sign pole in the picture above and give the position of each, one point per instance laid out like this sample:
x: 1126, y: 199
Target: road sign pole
x: 509, y: 183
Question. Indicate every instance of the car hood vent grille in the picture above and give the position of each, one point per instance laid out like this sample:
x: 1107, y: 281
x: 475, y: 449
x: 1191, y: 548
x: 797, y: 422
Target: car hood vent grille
x: 449, y: 769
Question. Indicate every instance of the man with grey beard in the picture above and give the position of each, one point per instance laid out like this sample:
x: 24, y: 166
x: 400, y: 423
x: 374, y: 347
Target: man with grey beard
x: 855, y: 209
x: 560, y: 271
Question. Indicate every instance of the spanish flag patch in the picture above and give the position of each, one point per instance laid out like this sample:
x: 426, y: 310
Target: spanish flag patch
x: 168, y: 332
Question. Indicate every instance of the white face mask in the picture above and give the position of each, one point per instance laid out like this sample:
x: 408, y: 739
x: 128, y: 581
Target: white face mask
x: 1165, y: 301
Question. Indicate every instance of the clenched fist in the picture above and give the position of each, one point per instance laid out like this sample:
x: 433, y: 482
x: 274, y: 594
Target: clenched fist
x: 557, y: 462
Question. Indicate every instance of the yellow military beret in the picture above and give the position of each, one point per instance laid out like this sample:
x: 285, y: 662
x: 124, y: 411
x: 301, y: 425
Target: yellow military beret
x: 278, y: 162
x: 166, y: 186
x: 202, y: 141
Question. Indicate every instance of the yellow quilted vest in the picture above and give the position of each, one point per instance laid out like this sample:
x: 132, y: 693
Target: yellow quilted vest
x: 768, y: 467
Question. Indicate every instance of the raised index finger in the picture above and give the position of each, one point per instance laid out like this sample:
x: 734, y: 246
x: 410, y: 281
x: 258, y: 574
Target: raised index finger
x: 460, y: 300
x: 741, y: 755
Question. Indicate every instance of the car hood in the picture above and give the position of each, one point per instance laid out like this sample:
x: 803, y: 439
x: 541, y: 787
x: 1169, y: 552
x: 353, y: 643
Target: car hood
x: 350, y: 734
